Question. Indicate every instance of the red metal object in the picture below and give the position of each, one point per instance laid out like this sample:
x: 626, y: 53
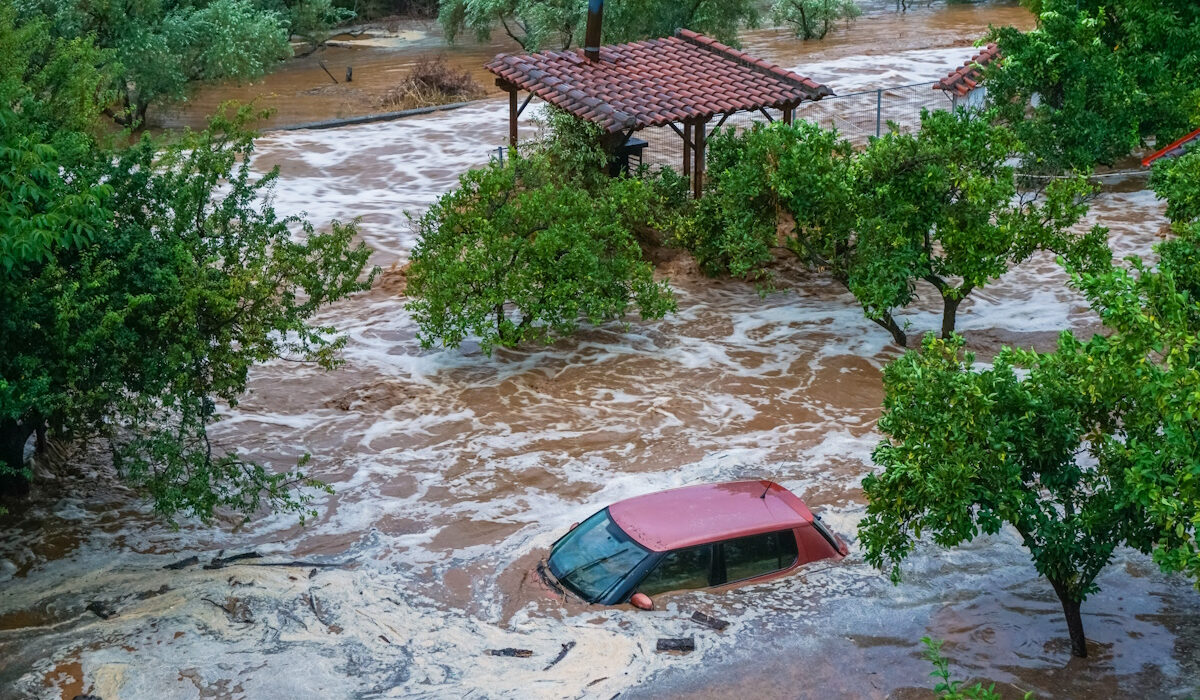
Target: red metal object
x: 717, y: 515
x: 1174, y: 149
x: 704, y: 513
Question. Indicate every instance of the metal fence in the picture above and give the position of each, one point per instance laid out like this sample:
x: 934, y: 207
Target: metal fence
x: 857, y: 117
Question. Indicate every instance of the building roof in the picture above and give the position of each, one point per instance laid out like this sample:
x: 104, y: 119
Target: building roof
x: 694, y: 515
x: 655, y: 82
x: 967, y: 77
x: 1175, y: 149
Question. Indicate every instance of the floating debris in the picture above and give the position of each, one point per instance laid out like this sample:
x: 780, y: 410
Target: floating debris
x: 510, y: 651
x: 561, y: 655
x: 183, y: 563
x: 103, y: 610
x: 684, y: 644
x: 220, y: 562
x: 709, y: 621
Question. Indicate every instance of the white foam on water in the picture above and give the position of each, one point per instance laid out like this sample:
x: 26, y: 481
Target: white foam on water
x: 449, y: 466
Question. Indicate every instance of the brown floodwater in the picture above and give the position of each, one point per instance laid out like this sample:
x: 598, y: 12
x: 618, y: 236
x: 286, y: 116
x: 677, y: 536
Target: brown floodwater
x: 454, y: 472
x: 301, y: 91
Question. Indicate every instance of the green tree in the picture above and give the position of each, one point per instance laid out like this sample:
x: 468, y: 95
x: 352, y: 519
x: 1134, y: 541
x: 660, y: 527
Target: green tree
x: 314, y: 21
x: 559, y: 24
x: 221, y: 284
x: 1178, y: 181
x: 970, y: 451
x: 49, y: 99
x: 1090, y: 447
x: 940, y: 206
x: 520, y: 253
x: 138, y: 287
x: 1095, y: 78
x: 812, y: 19
x: 157, y: 49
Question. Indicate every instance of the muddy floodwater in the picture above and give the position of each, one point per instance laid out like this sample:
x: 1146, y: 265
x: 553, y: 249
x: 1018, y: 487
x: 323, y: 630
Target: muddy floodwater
x: 453, y: 472
x: 301, y: 91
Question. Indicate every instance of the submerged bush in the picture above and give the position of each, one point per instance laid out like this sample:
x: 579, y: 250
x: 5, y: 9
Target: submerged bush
x: 519, y: 253
x: 432, y: 81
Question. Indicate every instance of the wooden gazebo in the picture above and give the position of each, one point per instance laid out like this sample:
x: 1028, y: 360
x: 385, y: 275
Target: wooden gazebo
x: 687, y: 80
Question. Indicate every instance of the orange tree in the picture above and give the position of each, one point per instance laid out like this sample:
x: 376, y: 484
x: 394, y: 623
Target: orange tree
x: 1081, y: 450
x: 938, y: 207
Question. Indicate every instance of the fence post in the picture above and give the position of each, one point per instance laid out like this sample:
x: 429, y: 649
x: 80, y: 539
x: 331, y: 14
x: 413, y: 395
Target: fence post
x: 878, y: 112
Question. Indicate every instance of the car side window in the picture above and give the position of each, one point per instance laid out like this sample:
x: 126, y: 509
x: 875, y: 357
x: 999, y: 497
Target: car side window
x: 747, y: 557
x: 679, y: 570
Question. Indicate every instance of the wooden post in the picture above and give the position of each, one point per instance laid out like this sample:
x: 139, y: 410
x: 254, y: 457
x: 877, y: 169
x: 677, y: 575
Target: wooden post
x: 687, y: 150
x: 698, y: 171
x: 787, y: 113
x: 512, y: 118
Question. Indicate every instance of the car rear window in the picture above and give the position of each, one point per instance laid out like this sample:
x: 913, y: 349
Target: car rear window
x: 682, y: 569
x: 747, y: 557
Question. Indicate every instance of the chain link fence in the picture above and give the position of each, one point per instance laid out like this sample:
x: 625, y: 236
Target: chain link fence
x: 857, y: 117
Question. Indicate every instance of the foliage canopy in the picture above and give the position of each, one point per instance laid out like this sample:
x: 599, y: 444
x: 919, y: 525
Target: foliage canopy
x: 137, y: 287
x: 559, y: 24
x: 521, y: 251
x: 153, y: 51
x: 940, y: 206
x: 1080, y: 450
x: 1095, y: 78
x: 812, y: 19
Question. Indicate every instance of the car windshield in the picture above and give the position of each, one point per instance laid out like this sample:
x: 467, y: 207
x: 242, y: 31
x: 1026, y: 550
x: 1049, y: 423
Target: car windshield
x: 594, y: 556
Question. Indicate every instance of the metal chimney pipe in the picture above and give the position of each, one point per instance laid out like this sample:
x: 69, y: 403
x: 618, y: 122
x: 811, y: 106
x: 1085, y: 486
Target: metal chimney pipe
x: 591, y: 39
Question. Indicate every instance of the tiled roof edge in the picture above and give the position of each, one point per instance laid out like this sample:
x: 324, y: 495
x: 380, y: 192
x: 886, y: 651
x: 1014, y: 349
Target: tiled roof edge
x: 615, y: 120
x: 816, y: 89
x: 970, y: 72
x: 1174, y: 149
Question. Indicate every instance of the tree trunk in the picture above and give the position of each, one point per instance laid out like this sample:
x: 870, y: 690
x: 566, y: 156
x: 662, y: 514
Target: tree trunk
x: 891, y: 326
x: 949, y: 315
x: 1070, y: 608
x: 13, y: 435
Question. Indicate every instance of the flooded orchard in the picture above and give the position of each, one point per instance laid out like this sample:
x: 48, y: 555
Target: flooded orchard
x: 453, y: 472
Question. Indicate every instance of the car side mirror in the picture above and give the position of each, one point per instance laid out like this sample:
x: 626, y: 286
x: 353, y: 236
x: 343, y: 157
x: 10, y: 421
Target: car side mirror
x: 641, y: 601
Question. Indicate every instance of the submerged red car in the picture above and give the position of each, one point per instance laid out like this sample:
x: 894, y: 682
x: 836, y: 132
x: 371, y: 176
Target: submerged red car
x: 704, y: 536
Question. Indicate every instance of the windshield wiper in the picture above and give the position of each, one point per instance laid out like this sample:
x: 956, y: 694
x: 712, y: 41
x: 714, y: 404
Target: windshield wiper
x: 590, y: 564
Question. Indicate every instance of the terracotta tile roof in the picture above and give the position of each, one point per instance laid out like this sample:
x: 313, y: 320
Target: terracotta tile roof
x: 964, y: 79
x: 1175, y: 149
x: 655, y: 82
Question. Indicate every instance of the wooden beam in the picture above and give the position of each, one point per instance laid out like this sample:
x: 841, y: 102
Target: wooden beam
x: 787, y: 113
x: 698, y: 170
x: 687, y: 149
x: 687, y: 139
x: 512, y: 119
x: 525, y: 104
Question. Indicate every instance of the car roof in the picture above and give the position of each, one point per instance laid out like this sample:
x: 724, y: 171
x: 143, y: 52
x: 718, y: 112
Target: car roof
x: 693, y: 515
